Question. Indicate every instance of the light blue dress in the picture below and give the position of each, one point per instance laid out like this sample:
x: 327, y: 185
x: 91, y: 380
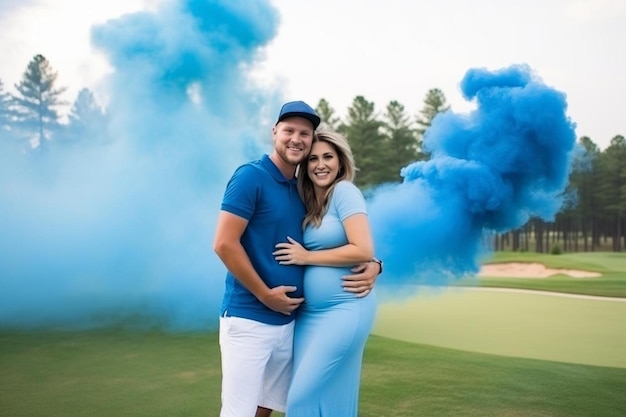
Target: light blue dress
x: 332, y: 325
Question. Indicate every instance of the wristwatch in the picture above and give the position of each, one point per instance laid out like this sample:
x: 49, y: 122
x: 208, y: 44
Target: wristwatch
x: 380, y: 264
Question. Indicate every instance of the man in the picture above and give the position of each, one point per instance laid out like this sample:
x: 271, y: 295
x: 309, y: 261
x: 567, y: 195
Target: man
x: 260, y: 208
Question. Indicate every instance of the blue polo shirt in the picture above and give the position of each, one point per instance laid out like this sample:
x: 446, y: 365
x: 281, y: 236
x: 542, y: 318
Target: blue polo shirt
x: 260, y: 193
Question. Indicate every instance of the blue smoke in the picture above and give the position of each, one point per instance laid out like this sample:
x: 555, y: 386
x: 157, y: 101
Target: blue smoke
x: 490, y: 171
x: 121, y: 232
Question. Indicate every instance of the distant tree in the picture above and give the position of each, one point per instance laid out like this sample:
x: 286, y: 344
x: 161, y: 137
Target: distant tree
x: 7, y: 133
x: 5, y: 108
x: 401, y: 138
x: 327, y: 114
x: 367, y: 143
x: 577, y: 217
x: 612, y: 187
x: 584, y: 178
x: 37, y: 100
x: 434, y: 103
x: 87, y: 121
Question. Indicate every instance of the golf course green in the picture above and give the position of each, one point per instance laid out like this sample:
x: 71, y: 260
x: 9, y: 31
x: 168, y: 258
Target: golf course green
x: 524, y: 324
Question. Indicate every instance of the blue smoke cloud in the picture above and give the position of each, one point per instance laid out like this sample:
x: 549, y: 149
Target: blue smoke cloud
x: 122, y: 231
x: 490, y: 171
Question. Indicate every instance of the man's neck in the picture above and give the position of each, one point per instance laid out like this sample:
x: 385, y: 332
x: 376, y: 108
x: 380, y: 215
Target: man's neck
x: 288, y: 170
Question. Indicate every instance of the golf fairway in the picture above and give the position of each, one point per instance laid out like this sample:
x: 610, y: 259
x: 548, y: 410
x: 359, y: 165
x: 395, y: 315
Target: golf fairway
x: 511, y: 323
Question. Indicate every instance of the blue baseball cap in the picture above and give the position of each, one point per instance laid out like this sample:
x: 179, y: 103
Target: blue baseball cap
x: 299, y: 109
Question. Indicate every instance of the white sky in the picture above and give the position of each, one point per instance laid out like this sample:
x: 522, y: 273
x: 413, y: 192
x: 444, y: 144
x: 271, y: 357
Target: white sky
x: 381, y: 49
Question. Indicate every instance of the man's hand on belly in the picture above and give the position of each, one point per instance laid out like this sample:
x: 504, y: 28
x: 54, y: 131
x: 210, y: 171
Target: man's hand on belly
x: 277, y: 299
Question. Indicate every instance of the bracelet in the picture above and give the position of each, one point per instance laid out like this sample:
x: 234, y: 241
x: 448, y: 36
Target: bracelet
x: 380, y: 264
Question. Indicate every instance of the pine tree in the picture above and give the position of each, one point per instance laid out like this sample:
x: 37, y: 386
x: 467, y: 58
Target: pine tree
x: 5, y: 108
x: 87, y: 121
x: 584, y: 178
x: 401, y: 138
x: 37, y: 101
x: 8, y: 138
x: 613, y: 189
x: 434, y: 103
x: 368, y: 144
x: 327, y: 114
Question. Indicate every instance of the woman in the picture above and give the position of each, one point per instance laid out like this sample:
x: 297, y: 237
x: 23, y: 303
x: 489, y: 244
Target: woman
x: 332, y: 325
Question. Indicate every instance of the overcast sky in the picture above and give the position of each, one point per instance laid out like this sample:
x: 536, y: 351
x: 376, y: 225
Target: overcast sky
x: 381, y: 49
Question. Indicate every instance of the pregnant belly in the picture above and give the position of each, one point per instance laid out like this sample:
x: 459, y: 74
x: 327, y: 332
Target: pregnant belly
x: 322, y: 286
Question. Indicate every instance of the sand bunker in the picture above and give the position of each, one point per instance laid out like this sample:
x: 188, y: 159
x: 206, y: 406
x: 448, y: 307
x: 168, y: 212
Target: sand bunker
x: 530, y: 270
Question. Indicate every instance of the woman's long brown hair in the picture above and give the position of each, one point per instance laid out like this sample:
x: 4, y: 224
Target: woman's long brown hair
x: 316, y: 208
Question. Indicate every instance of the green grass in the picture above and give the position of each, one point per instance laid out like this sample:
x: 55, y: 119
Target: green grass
x: 116, y: 374
x: 405, y: 379
x: 108, y: 373
x: 527, y: 325
x: 612, y: 266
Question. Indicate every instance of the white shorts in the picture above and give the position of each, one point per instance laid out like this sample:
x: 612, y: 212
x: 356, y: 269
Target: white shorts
x: 256, y: 365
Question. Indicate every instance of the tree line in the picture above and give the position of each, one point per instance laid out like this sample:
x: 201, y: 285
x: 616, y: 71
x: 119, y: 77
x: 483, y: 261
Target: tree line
x: 30, y: 118
x: 595, y: 219
x: 383, y: 143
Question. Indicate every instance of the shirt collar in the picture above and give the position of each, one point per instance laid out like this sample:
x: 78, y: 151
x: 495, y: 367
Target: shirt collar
x: 274, y: 171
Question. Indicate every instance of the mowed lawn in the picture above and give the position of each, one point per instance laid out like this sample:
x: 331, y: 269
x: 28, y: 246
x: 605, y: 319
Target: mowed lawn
x: 117, y: 374
x: 551, y: 356
x: 549, y: 319
x: 527, y: 325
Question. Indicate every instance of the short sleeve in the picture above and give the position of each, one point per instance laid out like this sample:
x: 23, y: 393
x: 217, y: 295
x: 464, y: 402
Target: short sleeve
x: 348, y: 200
x: 241, y: 192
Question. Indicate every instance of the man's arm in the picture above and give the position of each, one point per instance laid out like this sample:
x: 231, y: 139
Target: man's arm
x: 227, y: 245
x: 364, y: 278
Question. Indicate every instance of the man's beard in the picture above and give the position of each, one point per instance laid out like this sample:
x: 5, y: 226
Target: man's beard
x: 283, y: 153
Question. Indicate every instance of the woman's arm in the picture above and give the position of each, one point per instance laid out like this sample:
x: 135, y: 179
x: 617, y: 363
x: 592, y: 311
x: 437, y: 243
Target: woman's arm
x: 359, y: 248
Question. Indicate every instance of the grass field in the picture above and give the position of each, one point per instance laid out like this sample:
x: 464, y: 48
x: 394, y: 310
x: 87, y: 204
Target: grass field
x: 115, y: 373
x: 120, y: 373
x: 586, y: 331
